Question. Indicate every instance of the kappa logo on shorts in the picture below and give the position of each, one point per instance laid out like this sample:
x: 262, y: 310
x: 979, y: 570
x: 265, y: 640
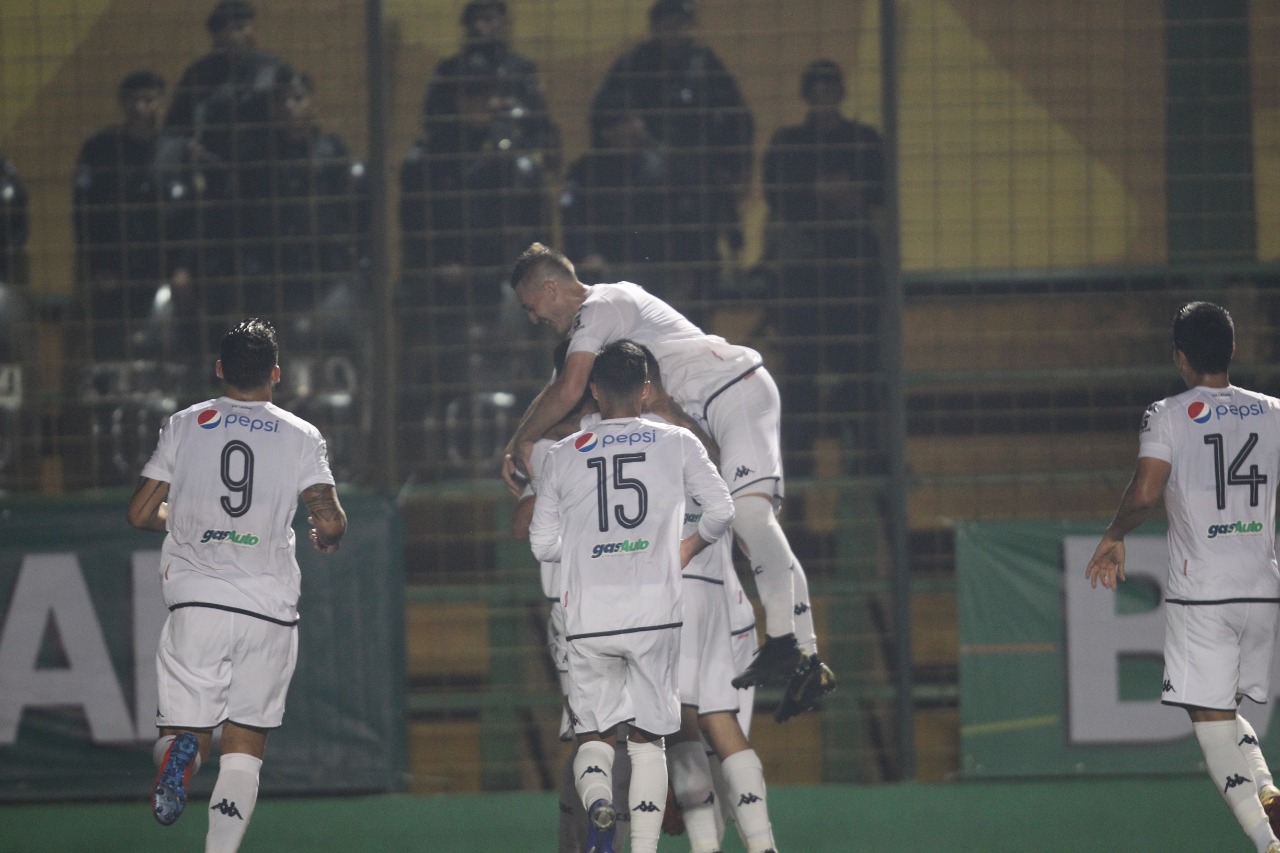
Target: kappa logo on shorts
x: 1168, y: 686
x: 742, y: 471
x: 1250, y: 739
x: 802, y: 608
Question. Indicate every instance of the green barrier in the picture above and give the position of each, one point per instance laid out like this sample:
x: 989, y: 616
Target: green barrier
x: 82, y: 613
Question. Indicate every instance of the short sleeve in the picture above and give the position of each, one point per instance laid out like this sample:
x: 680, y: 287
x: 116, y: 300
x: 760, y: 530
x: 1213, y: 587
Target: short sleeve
x: 1155, y: 437
x: 599, y: 321
x: 160, y: 466
x: 315, y: 464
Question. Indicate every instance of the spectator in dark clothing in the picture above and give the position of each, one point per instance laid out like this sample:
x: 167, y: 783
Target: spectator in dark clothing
x: 13, y: 219
x: 691, y: 104
x: 622, y: 213
x: 134, y: 218
x: 824, y: 186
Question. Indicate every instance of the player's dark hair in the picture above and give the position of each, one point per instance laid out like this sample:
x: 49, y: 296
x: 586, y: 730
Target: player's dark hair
x: 821, y: 71
x: 140, y: 81
x: 249, y: 354
x: 472, y: 10
x: 620, y: 369
x: 651, y: 362
x: 535, y: 258
x: 229, y: 12
x: 1204, y: 333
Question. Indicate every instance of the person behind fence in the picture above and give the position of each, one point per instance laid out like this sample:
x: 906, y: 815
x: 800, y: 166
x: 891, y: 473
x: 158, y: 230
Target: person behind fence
x: 134, y: 222
x: 15, y: 339
x: 824, y: 187
x: 610, y: 509
x: 1213, y: 453
x: 691, y: 103
x: 223, y: 484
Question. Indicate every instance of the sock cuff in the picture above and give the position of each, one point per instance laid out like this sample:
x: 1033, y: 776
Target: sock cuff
x: 240, y: 761
x: 647, y: 750
x: 745, y: 758
x: 606, y: 751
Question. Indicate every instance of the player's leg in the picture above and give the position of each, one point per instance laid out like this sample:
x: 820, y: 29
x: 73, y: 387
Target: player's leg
x: 177, y: 754
x: 743, y: 779
x: 262, y: 663
x: 653, y: 660
x: 1257, y: 652
x: 692, y: 784
x: 599, y: 700
x: 705, y: 627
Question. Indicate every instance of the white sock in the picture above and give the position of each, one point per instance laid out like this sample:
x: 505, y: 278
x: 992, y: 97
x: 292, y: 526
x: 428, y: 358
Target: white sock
x: 1247, y: 740
x: 806, y: 637
x: 161, y: 746
x: 1234, y: 778
x: 573, y: 820
x: 231, y: 806
x: 593, y: 772
x: 648, y: 794
x: 723, y: 810
x: 757, y: 528
x: 691, y: 783
x: 744, y: 779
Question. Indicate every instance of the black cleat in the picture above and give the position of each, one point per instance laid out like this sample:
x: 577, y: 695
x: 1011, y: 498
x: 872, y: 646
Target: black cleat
x: 812, y: 680
x: 776, y: 660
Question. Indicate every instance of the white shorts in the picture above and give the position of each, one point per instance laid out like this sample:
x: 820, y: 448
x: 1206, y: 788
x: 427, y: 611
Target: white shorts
x: 745, y: 420
x: 707, y: 665
x: 623, y: 678
x: 1216, y: 653
x: 558, y: 648
x: 214, y: 665
x: 744, y: 644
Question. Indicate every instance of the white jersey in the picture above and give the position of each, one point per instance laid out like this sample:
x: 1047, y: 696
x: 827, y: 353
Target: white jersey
x: 695, y: 366
x: 1224, y: 446
x: 610, y: 508
x: 235, y: 470
x: 548, y: 572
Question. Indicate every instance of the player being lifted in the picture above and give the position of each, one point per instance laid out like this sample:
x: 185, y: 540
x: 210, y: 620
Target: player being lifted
x: 721, y: 385
x: 610, y: 509
x: 1213, y: 452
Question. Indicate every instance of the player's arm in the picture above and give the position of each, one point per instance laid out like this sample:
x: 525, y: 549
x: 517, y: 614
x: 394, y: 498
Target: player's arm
x: 325, y: 515
x: 148, y: 509
x: 547, y: 409
x: 1140, y: 498
x: 704, y: 483
x: 522, y: 516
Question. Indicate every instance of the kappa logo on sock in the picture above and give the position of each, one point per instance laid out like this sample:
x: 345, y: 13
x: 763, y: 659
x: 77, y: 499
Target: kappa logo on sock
x: 592, y: 769
x: 1235, y: 781
x: 227, y: 809
x: 802, y: 608
x: 1249, y: 739
x: 646, y: 806
x: 711, y: 798
x: 748, y: 798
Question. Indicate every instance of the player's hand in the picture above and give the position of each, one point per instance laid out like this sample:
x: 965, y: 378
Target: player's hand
x: 514, y: 474
x: 321, y: 545
x: 1107, y: 564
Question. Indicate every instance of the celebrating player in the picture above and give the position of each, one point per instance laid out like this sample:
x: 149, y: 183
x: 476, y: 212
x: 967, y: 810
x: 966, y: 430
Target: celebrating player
x: 1213, y: 452
x: 723, y: 386
x: 224, y: 484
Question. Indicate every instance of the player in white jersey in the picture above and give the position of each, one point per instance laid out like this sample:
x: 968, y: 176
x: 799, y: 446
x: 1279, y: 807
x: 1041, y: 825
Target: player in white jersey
x: 1213, y: 452
x: 224, y: 484
x: 726, y: 388
x: 610, y: 508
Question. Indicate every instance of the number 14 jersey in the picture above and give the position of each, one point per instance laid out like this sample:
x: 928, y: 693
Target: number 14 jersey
x: 1224, y: 448
x: 235, y: 470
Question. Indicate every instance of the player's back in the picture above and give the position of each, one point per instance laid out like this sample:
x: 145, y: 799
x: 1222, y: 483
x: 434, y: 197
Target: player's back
x: 235, y: 470
x: 1223, y: 445
x: 618, y: 493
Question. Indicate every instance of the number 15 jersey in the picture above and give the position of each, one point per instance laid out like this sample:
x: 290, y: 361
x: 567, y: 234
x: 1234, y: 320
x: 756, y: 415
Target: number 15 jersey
x: 610, y: 508
x: 235, y: 470
x: 1224, y: 448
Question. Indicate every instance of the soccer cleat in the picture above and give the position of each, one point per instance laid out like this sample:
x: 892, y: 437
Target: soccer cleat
x: 813, y: 680
x: 169, y: 793
x: 1270, y: 796
x: 1273, y: 847
x: 776, y: 660
x: 601, y: 824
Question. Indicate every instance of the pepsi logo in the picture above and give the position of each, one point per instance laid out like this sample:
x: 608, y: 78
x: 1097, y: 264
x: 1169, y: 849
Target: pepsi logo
x: 209, y: 418
x: 586, y: 442
x: 1199, y: 411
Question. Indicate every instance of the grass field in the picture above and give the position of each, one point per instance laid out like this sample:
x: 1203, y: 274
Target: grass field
x: 1086, y: 815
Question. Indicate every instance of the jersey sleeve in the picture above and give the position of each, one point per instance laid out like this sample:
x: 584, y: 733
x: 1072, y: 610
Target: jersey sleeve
x: 537, y: 459
x: 315, y: 464
x: 160, y: 466
x: 544, y: 527
x: 705, y: 485
x: 599, y: 321
x: 1155, y: 437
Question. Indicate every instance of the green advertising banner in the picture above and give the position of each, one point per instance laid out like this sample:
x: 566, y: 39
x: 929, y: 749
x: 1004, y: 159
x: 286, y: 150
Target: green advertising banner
x: 1059, y: 678
x: 82, y: 613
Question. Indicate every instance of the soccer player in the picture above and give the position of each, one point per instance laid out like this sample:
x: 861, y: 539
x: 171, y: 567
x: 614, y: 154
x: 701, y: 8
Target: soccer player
x: 610, y: 509
x: 1213, y: 452
x: 224, y: 484
x: 723, y: 386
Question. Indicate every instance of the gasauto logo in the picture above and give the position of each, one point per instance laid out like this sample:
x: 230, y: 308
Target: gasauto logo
x: 209, y: 419
x: 1200, y: 411
x: 586, y: 442
x: 235, y: 537
x: 1239, y: 528
x: 626, y: 546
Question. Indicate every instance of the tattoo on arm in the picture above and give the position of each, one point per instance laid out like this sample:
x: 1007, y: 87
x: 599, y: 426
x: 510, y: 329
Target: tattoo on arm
x: 326, y: 514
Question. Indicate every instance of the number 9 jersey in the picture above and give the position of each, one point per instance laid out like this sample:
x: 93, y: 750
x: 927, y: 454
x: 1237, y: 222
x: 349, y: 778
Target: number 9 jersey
x: 235, y: 470
x: 1224, y: 448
